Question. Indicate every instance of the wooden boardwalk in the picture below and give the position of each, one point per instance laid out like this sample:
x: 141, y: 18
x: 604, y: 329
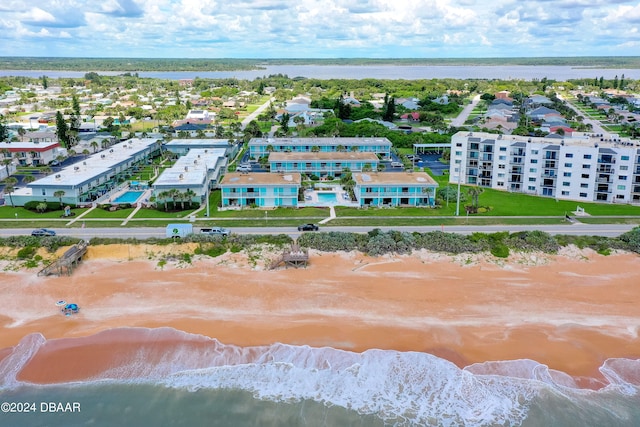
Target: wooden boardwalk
x: 69, y: 260
x: 294, y: 257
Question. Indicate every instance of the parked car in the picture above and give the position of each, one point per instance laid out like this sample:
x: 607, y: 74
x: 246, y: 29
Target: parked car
x: 215, y: 231
x: 397, y: 164
x: 40, y: 232
x: 308, y: 227
x: 243, y: 168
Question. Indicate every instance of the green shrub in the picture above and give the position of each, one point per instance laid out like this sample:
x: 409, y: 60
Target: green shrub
x: 27, y: 252
x: 500, y: 250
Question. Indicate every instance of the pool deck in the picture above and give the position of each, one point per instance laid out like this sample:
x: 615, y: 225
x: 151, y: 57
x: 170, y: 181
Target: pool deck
x: 311, y: 199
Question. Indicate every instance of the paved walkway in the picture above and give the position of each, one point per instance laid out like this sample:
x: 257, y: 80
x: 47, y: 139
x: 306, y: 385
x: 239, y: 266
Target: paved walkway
x: 596, y: 126
x: 332, y: 215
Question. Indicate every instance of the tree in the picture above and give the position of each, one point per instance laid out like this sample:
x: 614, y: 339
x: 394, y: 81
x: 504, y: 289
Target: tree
x: 7, y: 159
x: 10, y: 187
x: 474, y: 193
x: 284, y: 123
x: 59, y: 194
x: 62, y: 130
x: 28, y: 179
x: 4, y: 129
x: 94, y: 145
x: 41, y: 207
x: 164, y: 195
x: 389, y: 109
x: 22, y: 131
x: 189, y: 195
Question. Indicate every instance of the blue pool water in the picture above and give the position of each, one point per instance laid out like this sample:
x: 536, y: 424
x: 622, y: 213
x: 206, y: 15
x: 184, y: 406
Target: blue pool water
x: 129, y: 197
x: 327, y: 197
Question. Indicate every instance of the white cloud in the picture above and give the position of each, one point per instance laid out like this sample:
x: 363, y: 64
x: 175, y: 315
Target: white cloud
x: 314, y: 28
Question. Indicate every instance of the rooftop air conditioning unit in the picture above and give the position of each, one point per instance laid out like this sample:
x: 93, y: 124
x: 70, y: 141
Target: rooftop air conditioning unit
x: 58, y: 176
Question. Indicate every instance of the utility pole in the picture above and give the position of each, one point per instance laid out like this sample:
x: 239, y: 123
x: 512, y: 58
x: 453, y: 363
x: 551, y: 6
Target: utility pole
x: 458, y: 198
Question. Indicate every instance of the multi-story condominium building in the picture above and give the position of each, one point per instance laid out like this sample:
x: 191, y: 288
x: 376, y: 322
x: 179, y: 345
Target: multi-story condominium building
x: 395, y: 189
x: 581, y: 166
x: 259, y: 147
x: 322, y: 164
x: 260, y: 190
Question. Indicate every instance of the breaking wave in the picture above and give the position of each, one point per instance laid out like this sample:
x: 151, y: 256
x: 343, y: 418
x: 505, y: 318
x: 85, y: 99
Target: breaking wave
x: 404, y: 388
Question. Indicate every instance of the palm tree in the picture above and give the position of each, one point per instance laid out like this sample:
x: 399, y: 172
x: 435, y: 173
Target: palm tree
x: 28, y: 179
x: 174, y: 193
x: 9, y: 187
x: 41, y: 207
x: 341, y: 148
x: 59, y: 194
x: 22, y: 131
x: 94, y: 145
x: 189, y: 195
x: 164, y: 195
x: 474, y: 193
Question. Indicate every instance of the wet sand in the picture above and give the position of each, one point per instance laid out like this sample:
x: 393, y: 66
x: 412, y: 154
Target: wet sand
x: 571, y: 311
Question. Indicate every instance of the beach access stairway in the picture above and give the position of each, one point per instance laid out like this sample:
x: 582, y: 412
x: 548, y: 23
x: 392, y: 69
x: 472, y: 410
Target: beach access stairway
x: 67, y: 262
x: 295, y: 256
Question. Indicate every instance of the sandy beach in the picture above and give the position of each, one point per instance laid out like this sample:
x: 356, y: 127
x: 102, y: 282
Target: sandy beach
x: 570, y: 311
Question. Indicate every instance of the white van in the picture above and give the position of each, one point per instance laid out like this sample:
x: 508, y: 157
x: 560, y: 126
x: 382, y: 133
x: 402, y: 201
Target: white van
x: 396, y: 164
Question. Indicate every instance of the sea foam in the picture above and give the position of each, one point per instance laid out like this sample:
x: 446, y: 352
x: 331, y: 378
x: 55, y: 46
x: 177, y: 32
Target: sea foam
x: 405, y: 388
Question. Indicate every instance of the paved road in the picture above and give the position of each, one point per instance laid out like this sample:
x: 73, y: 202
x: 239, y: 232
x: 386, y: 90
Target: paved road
x: 596, y: 126
x: 608, y: 230
x: 255, y: 114
x: 466, y: 111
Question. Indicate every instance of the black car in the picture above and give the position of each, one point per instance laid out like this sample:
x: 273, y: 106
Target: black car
x: 308, y: 227
x: 40, y: 232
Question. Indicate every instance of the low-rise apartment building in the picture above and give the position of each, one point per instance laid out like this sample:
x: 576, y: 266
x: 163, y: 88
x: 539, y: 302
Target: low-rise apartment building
x: 322, y: 164
x: 395, y: 189
x: 265, y: 190
x: 31, y: 153
x: 583, y: 167
x: 259, y: 147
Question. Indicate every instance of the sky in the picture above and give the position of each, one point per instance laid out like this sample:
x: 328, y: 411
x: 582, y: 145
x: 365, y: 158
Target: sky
x: 319, y: 29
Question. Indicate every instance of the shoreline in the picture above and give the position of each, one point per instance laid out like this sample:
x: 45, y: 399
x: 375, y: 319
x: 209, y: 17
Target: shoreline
x: 571, y: 311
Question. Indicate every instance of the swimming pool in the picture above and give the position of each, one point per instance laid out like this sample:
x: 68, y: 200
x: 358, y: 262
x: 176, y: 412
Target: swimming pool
x: 327, y: 197
x: 128, y: 197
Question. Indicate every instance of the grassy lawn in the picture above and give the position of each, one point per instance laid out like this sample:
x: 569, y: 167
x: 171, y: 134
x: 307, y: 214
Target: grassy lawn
x: 8, y: 212
x: 102, y: 213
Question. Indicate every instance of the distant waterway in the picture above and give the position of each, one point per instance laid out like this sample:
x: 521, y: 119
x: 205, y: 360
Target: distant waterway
x: 380, y: 72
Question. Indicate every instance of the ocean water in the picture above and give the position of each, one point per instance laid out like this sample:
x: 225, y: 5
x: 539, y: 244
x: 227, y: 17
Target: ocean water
x: 284, y: 385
